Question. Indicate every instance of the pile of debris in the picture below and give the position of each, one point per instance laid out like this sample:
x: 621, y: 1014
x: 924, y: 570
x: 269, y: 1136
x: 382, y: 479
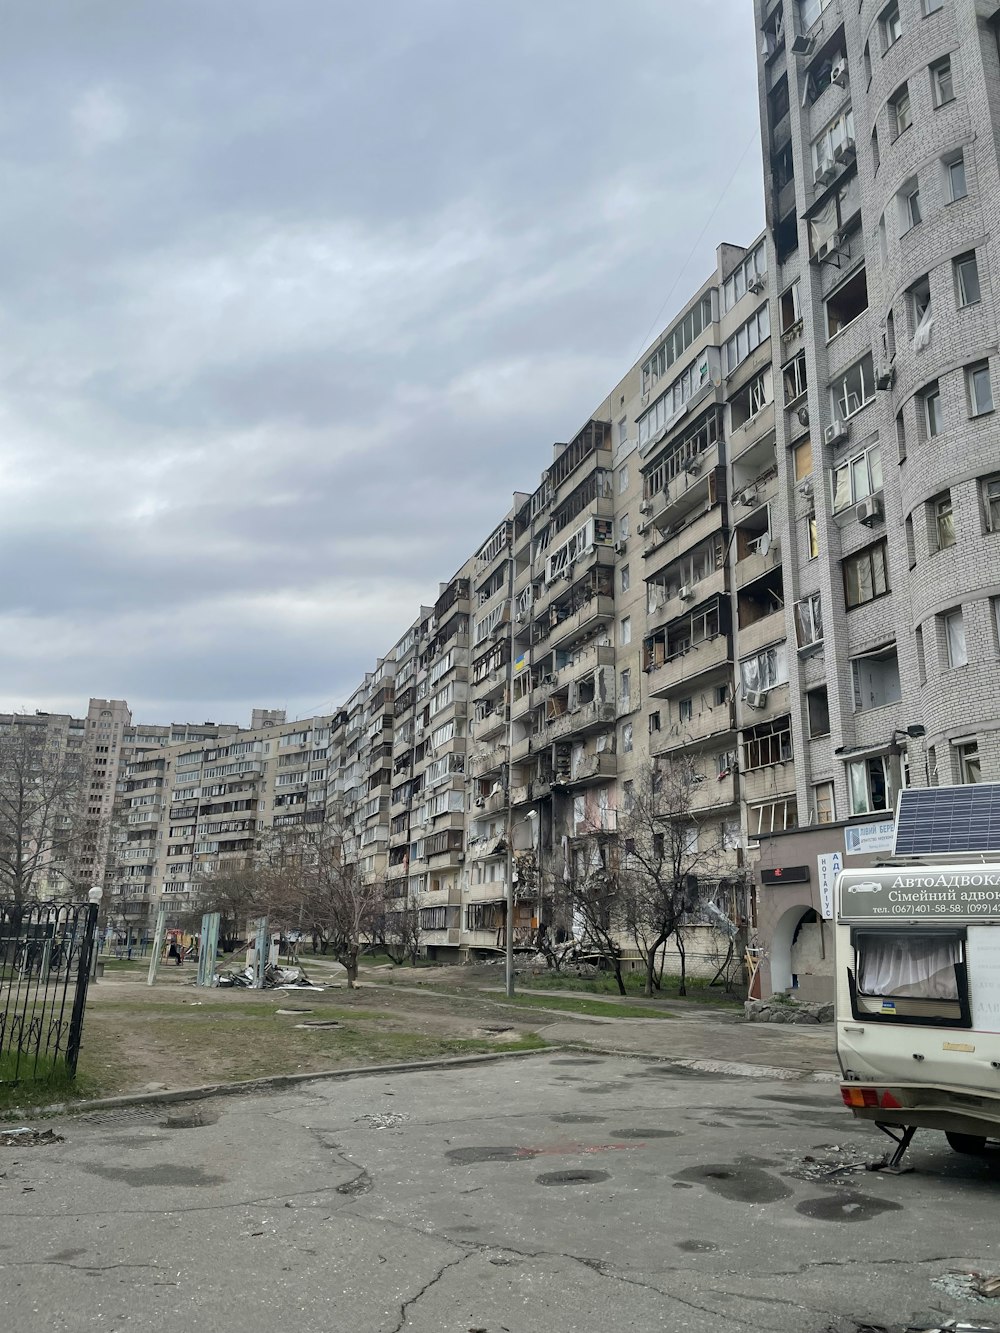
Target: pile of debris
x: 781, y: 1008
x: 275, y: 978
x: 28, y: 1138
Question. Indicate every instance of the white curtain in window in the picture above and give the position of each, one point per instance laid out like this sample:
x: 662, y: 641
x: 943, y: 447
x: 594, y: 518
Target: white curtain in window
x: 920, y: 966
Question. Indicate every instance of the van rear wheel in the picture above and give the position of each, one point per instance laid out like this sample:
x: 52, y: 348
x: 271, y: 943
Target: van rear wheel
x: 973, y: 1144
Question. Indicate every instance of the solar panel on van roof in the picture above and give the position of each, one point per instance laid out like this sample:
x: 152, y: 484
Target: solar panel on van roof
x: 942, y: 820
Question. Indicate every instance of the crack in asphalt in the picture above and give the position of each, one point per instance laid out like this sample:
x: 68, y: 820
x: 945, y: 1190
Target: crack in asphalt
x: 408, y: 1305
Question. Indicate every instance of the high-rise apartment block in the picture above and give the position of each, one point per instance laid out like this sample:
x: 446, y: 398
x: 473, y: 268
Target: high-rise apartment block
x: 772, y: 551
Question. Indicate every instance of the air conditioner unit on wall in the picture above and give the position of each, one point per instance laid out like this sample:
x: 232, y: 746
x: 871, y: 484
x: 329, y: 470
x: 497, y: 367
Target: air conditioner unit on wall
x: 885, y: 378
x: 757, y: 283
x: 644, y: 506
x: 755, y: 698
x: 838, y: 74
x: 802, y: 45
x: 837, y: 432
x: 869, y: 510
x: 686, y: 593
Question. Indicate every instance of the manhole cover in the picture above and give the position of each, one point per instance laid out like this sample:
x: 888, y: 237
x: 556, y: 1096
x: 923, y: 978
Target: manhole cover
x: 572, y: 1177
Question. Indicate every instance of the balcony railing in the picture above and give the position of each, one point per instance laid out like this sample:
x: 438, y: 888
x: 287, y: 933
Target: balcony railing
x: 686, y: 666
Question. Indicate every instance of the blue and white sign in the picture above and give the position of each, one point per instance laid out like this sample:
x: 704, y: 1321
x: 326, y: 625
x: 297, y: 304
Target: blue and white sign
x: 830, y: 864
x: 862, y: 839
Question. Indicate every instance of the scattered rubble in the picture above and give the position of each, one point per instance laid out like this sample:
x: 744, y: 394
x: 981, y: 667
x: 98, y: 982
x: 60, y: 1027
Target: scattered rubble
x: 27, y: 1138
x: 828, y: 1163
x: 384, y: 1119
x: 781, y: 1009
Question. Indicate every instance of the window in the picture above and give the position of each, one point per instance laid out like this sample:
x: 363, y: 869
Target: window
x: 625, y: 631
x: 875, y: 679
x: 847, y: 303
x: 942, y: 83
x: 765, y: 670
x: 900, y: 437
x: 803, y: 456
x: 980, y: 390
x: 876, y: 159
x: 854, y: 388
x: 794, y: 378
x: 867, y: 58
x: 857, y: 478
x: 754, y: 266
x: 624, y: 578
x: 622, y: 431
x: 823, y: 803
x: 809, y: 620
x: 966, y: 279
x: 954, y: 637
x: 767, y: 744
x: 625, y: 690
x: 930, y: 6
x: 890, y: 27
x: 812, y: 536
x: 872, y: 783
x: 930, y: 410
x: 910, y: 197
x: 818, y: 711
x: 685, y: 710
x: 748, y: 337
x: 955, y: 178
x: 900, y: 113
x: 917, y: 969
x: 943, y: 520
x: 751, y: 399
x: 623, y: 527
x: 921, y: 312
x: 911, y: 550
x: 969, y: 769
x: 866, y: 575
x: 622, y: 480
x: 683, y: 334
x: 991, y: 503
x: 918, y: 643
x: 654, y: 722
x: 772, y: 816
x: 832, y: 146
x: 627, y: 738
x: 791, y: 310
x: 628, y: 796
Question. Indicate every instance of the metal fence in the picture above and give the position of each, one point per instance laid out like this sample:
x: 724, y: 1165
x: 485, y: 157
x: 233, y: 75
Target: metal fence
x: 45, y: 956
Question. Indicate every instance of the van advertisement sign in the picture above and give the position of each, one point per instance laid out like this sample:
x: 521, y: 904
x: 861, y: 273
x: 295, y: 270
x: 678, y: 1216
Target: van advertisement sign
x: 942, y: 893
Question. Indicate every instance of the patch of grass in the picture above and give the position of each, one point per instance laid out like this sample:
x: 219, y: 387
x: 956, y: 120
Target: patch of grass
x: 596, y: 1008
x: 698, y: 990
x: 44, y: 1084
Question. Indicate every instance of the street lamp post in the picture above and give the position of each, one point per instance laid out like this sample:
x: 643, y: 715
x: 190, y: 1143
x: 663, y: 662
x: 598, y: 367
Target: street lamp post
x: 94, y: 897
x: 529, y: 818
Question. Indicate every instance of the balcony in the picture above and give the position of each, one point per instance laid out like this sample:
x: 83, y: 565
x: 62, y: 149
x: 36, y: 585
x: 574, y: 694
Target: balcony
x: 761, y: 561
x: 592, y: 768
x: 776, y: 702
x: 681, y: 670
x: 578, y: 624
x: 714, y: 792
x: 520, y: 795
x: 769, y: 782
x: 703, y: 726
x: 675, y: 541
x: 583, y: 662
x: 713, y: 585
x: 481, y: 762
x: 483, y: 849
x: 493, y: 724
x: 594, y: 716
x: 761, y: 634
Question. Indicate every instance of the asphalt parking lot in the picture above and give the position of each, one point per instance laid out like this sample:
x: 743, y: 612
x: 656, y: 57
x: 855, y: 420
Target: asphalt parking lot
x: 561, y: 1192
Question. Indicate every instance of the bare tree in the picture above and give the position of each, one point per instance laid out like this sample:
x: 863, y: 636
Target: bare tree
x: 671, y: 862
x: 399, y: 930
x: 238, y: 891
x: 41, y: 811
x: 591, y: 894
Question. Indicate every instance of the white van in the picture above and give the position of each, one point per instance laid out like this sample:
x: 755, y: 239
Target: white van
x: 918, y: 1000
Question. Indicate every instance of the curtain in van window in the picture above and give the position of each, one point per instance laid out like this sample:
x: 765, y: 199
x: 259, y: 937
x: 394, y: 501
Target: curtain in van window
x: 920, y: 966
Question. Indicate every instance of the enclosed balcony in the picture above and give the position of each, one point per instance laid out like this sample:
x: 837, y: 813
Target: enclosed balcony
x: 686, y: 664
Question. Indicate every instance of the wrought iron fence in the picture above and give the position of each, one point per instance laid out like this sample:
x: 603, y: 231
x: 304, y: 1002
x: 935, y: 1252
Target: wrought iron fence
x: 45, y: 955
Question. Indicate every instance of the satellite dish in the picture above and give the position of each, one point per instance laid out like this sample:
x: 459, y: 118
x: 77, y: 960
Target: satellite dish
x: 764, y: 545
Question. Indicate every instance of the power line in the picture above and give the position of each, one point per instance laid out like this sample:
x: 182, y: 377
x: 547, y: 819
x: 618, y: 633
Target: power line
x: 708, y: 222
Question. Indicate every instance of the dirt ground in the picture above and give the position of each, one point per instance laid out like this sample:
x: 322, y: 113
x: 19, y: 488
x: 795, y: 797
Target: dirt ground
x: 137, y: 1037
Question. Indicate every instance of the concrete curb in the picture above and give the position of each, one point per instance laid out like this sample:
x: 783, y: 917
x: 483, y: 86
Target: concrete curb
x: 269, y: 1083
x: 703, y: 1065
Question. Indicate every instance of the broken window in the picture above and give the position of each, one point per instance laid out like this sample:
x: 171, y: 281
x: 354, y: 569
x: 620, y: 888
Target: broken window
x: 847, y: 303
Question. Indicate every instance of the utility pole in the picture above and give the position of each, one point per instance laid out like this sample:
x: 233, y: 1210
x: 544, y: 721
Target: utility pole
x: 509, y: 772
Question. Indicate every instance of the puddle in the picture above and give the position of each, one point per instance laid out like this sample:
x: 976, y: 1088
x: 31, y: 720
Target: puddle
x: 696, y: 1246
x: 167, y: 1175
x: 602, y: 1088
x: 576, y: 1060
x: 846, y: 1208
x: 188, y: 1120
x: 466, y: 1156
x: 738, y: 1181
x: 646, y: 1133
x: 572, y: 1177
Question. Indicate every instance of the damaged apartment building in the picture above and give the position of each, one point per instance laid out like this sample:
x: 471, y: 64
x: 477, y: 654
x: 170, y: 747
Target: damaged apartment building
x: 769, y: 558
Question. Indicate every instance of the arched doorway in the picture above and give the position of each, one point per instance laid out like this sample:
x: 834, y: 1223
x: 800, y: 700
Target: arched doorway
x: 785, y: 944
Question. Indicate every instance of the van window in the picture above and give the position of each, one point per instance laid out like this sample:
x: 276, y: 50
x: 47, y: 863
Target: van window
x: 916, y: 976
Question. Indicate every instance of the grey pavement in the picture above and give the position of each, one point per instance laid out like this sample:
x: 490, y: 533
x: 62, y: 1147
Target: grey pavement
x: 562, y: 1193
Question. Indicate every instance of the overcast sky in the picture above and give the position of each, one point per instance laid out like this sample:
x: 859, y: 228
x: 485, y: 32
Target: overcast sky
x: 295, y: 293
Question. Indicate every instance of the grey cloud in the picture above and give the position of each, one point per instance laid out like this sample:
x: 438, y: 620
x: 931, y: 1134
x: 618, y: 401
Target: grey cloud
x: 293, y: 298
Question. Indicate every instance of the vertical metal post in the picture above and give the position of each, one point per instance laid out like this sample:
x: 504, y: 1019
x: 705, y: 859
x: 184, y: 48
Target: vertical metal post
x: 260, y: 953
x: 509, y: 949
x: 208, y: 948
x: 158, y: 938
x: 80, y: 998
